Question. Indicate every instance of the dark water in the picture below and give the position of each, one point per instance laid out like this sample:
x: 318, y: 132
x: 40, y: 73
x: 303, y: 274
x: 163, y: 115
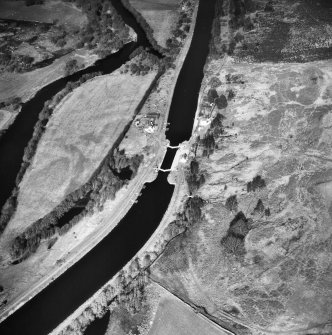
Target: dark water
x: 184, y: 103
x: 50, y: 307
x: 99, y: 326
x: 168, y: 160
x: 77, y: 209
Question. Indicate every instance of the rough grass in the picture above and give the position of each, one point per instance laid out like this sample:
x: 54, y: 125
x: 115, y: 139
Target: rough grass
x: 161, y: 15
x: 80, y: 133
x: 5, y: 118
x: 278, y: 126
x: 63, y: 12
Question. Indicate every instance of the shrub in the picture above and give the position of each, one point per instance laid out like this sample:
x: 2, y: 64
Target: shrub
x: 208, y: 143
x: 257, y: 183
x: 192, y: 210
x: 239, y: 226
x: 221, y: 102
x: 259, y: 207
x: 233, y: 242
x: 212, y: 95
x: 231, y: 95
x: 233, y: 245
x: 217, y: 125
x: 231, y: 203
x: 33, y: 2
x: 71, y: 67
x: 215, y: 82
x: 269, y: 7
x: 194, y: 179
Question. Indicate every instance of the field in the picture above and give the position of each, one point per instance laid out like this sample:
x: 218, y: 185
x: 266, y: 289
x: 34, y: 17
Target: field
x: 161, y: 313
x: 52, y: 10
x: 161, y: 15
x: 174, y: 317
x: 275, y: 274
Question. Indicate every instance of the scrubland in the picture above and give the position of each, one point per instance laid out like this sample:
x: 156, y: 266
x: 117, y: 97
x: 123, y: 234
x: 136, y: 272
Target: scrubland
x: 258, y: 259
x: 268, y: 267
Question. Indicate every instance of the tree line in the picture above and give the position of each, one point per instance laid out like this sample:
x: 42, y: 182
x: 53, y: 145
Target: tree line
x: 98, y: 189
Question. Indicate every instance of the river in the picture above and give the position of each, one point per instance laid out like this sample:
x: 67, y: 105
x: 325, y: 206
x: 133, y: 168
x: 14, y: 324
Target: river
x: 57, y: 301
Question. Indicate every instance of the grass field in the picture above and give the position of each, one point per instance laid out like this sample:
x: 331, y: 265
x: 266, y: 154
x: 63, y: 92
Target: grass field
x: 161, y: 15
x: 175, y: 317
x: 80, y: 133
x: 62, y: 12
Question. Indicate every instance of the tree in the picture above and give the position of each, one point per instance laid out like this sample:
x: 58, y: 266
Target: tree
x: 71, y: 67
x: 212, y: 95
x: 256, y: 183
x: 194, y: 167
x: 231, y: 203
x: 259, y: 207
x: 221, y: 102
x: 214, y: 82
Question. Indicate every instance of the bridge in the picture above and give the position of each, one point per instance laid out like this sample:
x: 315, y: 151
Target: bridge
x: 165, y: 170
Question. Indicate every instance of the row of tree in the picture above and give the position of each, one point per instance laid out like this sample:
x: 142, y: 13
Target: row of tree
x: 98, y: 189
